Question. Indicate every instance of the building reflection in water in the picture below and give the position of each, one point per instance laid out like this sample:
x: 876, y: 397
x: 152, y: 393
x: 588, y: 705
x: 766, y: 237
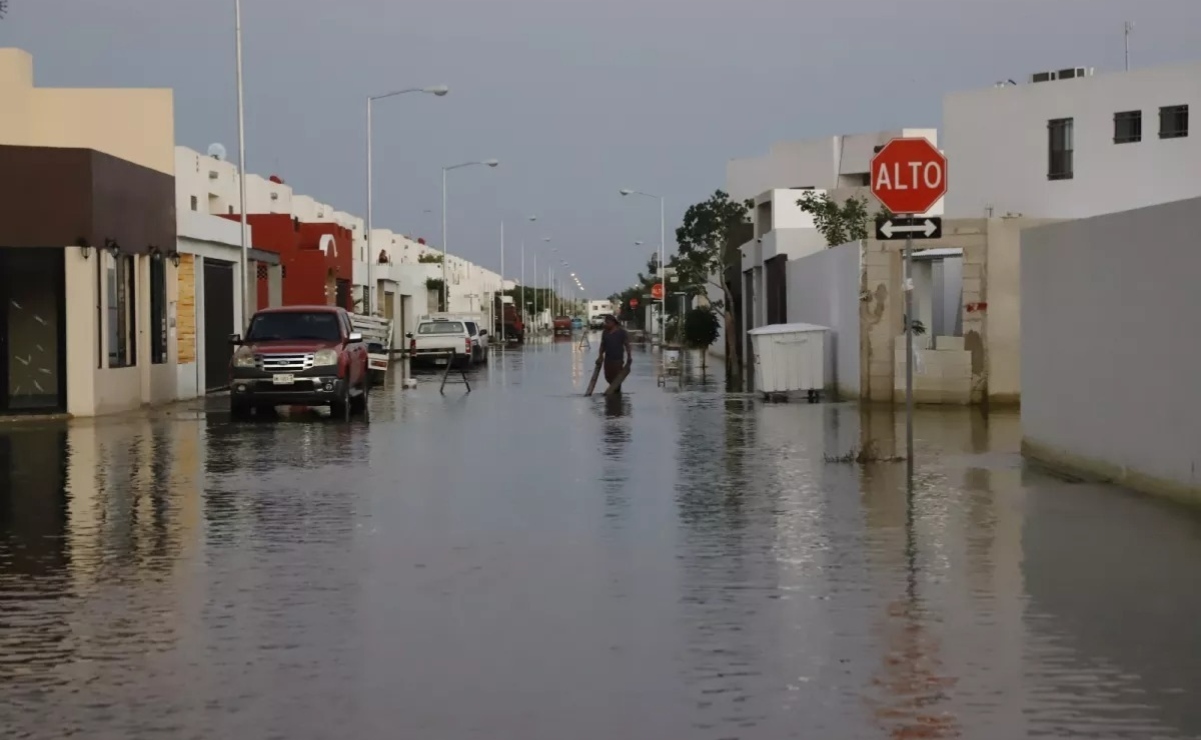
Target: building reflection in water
x: 730, y: 662
x: 96, y: 524
x: 35, y: 592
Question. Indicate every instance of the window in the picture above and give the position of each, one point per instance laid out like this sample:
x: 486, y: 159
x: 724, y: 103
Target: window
x: 471, y: 329
x: 295, y: 325
x: 1173, y: 122
x: 1059, y: 149
x: 1128, y: 127
x: 158, y: 311
x: 122, y: 318
x: 195, y: 203
x: 441, y: 327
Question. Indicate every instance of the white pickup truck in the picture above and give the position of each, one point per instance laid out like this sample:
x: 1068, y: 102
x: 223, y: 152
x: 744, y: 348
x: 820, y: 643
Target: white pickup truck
x: 441, y: 338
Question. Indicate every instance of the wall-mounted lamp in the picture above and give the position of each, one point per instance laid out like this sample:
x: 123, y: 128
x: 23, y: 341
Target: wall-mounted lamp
x: 84, y: 248
x: 174, y: 257
x: 155, y: 253
x: 111, y: 246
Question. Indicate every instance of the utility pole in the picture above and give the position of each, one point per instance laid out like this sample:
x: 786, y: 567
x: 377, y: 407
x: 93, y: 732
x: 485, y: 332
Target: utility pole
x: 1128, y: 26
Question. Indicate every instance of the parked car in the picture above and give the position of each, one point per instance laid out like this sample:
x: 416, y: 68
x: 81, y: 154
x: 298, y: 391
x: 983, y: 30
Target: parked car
x: 299, y: 356
x: 562, y: 325
x: 440, y: 339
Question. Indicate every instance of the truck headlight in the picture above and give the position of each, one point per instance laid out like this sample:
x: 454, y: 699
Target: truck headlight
x: 244, y: 357
x: 325, y: 358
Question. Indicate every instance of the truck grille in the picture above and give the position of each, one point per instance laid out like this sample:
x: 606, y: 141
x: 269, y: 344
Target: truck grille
x: 283, y: 363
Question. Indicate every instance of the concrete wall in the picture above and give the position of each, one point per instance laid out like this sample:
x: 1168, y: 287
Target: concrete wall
x: 823, y: 289
x: 996, y: 141
x: 1109, y: 303
x: 989, y: 311
x: 137, y: 125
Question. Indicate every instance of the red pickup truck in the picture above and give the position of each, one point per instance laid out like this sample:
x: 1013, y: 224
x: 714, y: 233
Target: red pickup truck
x: 562, y: 325
x: 299, y: 356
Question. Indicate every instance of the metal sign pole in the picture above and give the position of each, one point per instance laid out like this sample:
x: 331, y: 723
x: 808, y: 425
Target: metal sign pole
x: 909, y: 354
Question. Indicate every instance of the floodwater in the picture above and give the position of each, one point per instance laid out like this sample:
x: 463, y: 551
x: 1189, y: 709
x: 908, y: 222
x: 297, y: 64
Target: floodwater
x: 522, y: 562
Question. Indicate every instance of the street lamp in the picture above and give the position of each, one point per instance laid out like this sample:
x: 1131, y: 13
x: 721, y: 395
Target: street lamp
x: 662, y: 257
x: 523, y: 306
x: 245, y: 258
x: 437, y: 90
x: 445, y: 251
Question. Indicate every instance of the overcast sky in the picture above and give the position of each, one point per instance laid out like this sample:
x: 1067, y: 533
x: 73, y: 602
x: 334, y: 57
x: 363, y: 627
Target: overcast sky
x: 577, y: 98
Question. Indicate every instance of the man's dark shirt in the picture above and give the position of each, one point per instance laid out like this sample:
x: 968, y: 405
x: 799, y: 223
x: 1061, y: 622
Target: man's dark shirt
x: 613, y: 345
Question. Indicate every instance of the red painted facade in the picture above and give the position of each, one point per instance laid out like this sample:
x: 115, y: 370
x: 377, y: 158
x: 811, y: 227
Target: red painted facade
x: 316, y: 258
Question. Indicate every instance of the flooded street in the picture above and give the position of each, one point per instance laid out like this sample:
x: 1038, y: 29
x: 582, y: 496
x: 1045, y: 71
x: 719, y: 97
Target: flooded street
x: 523, y: 562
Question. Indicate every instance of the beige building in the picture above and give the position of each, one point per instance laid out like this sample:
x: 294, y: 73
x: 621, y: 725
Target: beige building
x: 87, y: 210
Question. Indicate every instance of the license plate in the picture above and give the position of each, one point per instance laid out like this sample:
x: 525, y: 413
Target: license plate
x: 283, y: 379
x: 440, y: 361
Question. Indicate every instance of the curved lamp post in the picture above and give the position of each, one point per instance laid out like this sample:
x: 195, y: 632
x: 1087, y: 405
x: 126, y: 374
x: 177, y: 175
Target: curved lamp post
x: 439, y: 91
x: 445, y: 251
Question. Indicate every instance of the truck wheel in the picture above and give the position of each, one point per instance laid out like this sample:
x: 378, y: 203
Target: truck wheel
x: 358, y: 405
x: 238, y: 409
x: 339, y: 408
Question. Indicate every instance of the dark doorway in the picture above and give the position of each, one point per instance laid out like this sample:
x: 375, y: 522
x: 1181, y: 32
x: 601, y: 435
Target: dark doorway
x: 218, y: 322
x: 776, y: 277
x: 33, y: 353
x: 748, y: 313
x: 344, y: 299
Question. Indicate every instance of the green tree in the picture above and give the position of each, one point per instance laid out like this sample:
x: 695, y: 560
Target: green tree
x: 435, y: 285
x: 840, y: 223
x: 708, y: 243
x: 701, y: 327
x: 428, y: 258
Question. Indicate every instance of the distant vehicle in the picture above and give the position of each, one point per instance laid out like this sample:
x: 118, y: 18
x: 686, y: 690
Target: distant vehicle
x: 597, y: 310
x: 508, y: 322
x: 299, y: 356
x: 562, y: 325
x: 448, y: 338
x: 577, y: 323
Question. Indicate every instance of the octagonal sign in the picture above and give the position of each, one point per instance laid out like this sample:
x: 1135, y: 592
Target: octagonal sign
x: 909, y: 175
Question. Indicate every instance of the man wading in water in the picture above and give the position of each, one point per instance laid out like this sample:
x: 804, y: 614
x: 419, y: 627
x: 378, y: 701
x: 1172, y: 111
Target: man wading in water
x: 613, y: 344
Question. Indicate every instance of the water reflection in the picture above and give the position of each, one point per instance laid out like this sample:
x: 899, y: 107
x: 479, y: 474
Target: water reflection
x: 683, y: 556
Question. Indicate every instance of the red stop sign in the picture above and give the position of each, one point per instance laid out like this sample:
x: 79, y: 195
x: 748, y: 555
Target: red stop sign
x: 909, y: 175
x: 633, y: 303
x: 657, y: 291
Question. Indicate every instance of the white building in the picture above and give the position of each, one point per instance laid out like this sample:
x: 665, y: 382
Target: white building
x: 1076, y: 147
x: 210, y: 271
x: 839, y: 166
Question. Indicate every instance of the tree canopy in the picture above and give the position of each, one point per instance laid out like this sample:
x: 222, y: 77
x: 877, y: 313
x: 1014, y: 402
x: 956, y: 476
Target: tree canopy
x: 708, y: 239
x: 840, y: 223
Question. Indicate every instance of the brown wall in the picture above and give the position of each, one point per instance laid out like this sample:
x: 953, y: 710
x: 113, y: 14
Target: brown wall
x: 54, y: 197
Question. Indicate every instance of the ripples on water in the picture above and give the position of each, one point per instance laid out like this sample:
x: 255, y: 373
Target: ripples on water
x: 521, y: 562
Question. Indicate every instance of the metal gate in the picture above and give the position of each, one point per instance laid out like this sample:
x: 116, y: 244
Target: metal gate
x: 218, y: 322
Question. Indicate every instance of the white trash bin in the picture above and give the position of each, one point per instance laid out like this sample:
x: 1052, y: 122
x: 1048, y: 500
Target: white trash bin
x: 790, y: 358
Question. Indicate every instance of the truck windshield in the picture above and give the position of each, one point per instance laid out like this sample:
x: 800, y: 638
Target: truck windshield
x: 441, y: 327
x: 315, y: 325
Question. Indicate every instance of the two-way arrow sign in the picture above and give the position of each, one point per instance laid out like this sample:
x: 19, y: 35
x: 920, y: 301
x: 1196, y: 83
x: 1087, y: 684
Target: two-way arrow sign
x: 895, y: 227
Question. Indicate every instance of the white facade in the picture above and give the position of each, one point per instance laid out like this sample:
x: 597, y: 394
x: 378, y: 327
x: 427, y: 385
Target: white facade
x: 598, y: 308
x: 839, y: 166
x: 210, y: 186
x: 997, y: 145
x: 825, y: 163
